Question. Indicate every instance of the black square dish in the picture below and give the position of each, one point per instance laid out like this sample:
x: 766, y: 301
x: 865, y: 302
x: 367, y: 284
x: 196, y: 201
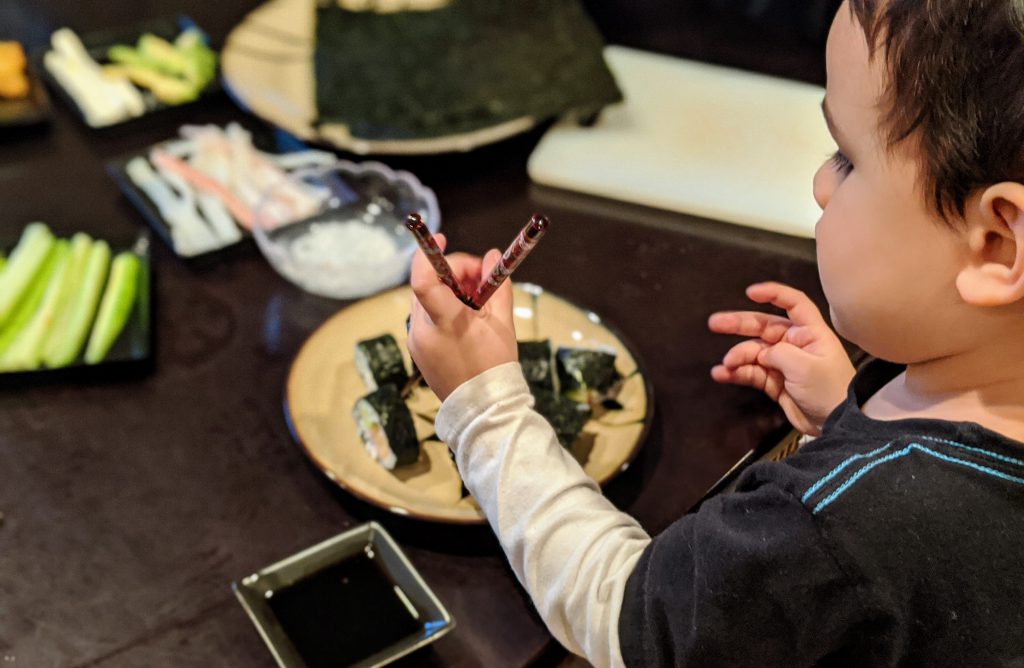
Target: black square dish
x: 353, y: 600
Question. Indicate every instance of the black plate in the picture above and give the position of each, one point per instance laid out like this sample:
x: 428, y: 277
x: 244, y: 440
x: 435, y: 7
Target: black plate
x: 131, y: 356
x: 264, y: 139
x: 32, y: 109
x: 97, y: 44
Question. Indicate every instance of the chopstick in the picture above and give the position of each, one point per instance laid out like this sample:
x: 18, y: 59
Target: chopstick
x: 430, y: 248
x: 513, y: 256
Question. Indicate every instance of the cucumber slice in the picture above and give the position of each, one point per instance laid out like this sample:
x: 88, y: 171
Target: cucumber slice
x: 118, y: 300
x: 26, y: 260
x: 71, y: 338
x: 24, y: 354
x: 81, y: 244
x: 27, y: 307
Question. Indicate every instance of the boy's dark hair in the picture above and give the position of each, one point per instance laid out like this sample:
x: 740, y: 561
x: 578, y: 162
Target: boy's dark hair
x: 956, y: 82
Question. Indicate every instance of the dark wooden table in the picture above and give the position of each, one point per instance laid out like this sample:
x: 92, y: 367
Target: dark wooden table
x: 129, y: 506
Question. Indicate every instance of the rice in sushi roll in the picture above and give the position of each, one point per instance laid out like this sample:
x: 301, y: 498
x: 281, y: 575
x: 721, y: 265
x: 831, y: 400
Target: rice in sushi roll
x: 379, y: 362
x: 386, y: 427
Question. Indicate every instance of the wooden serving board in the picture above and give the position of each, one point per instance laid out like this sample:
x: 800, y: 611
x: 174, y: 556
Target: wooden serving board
x: 699, y: 139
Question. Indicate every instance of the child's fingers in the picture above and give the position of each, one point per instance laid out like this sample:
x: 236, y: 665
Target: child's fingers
x: 750, y: 375
x: 767, y: 326
x: 786, y: 358
x: 800, y: 336
x: 491, y: 258
x: 796, y: 416
x: 430, y: 292
x: 798, y: 306
x: 501, y: 300
x: 744, y: 353
x: 418, y: 319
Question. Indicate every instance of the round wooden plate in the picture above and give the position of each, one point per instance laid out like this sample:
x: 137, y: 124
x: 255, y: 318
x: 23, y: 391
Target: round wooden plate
x: 267, y: 67
x: 323, y: 386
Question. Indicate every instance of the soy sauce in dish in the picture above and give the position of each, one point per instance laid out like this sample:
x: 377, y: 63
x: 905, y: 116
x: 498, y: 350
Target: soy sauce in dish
x: 344, y: 613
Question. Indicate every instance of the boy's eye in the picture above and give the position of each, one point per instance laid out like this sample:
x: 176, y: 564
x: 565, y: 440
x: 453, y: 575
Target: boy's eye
x: 841, y: 163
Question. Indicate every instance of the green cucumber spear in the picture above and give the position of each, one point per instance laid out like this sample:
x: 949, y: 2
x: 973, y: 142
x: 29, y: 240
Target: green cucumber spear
x: 28, y: 256
x: 81, y: 244
x: 27, y: 307
x: 67, y: 341
x: 118, y: 299
x: 24, y: 353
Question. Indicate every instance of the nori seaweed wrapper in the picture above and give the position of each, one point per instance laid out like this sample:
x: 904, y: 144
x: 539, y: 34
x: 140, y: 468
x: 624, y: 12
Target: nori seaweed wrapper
x: 470, y: 65
x: 585, y: 374
x: 535, y: 359
x: 566, y: 416
x: 396, y: 420
x: 384, y: 361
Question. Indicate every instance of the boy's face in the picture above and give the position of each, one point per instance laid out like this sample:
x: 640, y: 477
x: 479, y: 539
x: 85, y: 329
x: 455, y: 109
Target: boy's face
x: 887, y: 263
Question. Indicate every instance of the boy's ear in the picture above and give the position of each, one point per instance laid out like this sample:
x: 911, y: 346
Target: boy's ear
x: 993, y: 274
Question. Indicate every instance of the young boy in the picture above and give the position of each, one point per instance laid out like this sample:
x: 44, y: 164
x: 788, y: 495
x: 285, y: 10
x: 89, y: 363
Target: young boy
x: 896, y: 536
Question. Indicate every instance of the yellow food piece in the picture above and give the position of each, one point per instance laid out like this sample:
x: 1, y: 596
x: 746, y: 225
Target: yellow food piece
x: 13, y: 81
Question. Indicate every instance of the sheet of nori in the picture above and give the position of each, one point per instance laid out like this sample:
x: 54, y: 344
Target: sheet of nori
x: 384, y: 358
x: 396, y: 420
x: 590, y: 369
x: 566, y: 416
x: 470, y: 65
x: 535, y: 359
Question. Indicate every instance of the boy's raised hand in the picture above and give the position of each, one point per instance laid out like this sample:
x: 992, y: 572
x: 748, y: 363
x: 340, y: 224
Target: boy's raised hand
x: 797, y: 360
x: 450, y: 342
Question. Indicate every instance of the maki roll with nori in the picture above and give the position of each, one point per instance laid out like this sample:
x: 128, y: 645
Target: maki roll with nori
x: 386, y: 427
x: 587, y: 376
x: 535, y: 358
x: 566, y: 416
x: 379, y: 362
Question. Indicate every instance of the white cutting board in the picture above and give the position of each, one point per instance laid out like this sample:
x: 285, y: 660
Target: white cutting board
x: 699, y: 139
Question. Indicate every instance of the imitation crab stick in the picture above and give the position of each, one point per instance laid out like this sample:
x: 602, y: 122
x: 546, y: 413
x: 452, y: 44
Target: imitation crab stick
x: 240, y: 211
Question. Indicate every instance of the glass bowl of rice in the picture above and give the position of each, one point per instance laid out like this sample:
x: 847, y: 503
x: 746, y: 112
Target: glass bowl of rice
x: 339, y: 230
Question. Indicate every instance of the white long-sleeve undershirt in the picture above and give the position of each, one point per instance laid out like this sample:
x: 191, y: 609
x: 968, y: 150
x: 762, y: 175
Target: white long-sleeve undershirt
x: 569, y: 546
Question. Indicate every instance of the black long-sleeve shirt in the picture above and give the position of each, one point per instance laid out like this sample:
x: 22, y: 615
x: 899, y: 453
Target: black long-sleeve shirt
x: 877, y: 544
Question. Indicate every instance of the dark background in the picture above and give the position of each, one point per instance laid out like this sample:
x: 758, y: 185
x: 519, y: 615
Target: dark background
x: 781, y: 37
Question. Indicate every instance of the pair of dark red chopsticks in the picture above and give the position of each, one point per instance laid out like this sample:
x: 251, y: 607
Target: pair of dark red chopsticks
x: 510, y: 259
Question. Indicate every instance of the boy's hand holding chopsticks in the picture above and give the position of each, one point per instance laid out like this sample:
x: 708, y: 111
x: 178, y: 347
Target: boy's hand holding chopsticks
x: 461, y: 323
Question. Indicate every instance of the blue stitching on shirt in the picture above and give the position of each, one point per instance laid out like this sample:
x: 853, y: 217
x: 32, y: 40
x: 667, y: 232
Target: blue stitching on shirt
x: 989, y: 453
x: 837, y: 470
x: 902, y: 453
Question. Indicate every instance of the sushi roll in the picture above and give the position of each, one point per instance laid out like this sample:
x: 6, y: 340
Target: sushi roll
x: 587, y: 376
x: 566, y: 416
x: 379, y: 362
x: 535, y: 358
x: 386, y: 427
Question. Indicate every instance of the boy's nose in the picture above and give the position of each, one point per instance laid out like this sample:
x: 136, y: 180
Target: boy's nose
x: 825, y: 181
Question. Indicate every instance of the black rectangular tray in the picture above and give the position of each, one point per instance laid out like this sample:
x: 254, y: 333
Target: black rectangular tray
x: 32, y: 109
x: 97, y: 44
x: 131, y: 356
x: 264, y: 138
